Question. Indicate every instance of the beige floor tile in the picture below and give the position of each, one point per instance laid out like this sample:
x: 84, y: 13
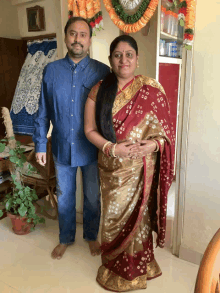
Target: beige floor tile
x: 177, y: 276
x: 45, y: 236
x: 7, y: 289
x: 28, y: 267
x: 37, y: 272
x: 82, y: 280
x: 12, y: 247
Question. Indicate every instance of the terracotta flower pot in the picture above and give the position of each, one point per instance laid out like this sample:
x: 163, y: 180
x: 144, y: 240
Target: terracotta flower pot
x: 20, y: 225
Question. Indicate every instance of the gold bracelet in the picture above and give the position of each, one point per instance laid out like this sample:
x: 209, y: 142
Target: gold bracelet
x: 104, y: 146
x: 113, y: 150
x: 157, y: 148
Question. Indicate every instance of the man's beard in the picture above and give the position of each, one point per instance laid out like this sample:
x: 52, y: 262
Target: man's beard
x: 76, y: 52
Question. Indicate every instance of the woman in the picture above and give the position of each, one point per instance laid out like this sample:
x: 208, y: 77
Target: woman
x: 127, y: 119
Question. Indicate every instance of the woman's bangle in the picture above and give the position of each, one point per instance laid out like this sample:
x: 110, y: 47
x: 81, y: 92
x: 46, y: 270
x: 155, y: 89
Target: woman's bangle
x: 104, y: 146
x: 113, y: 150
x: 157, y: 148
x: 108, y: 150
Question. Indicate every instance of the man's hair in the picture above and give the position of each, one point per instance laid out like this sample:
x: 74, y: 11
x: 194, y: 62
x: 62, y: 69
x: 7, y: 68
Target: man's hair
x: 74, y: 19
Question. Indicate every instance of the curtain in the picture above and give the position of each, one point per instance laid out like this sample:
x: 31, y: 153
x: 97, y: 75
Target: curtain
x: 26, y: 98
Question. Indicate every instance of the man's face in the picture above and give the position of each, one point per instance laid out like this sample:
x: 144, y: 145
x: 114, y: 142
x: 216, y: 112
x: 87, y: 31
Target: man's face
x: 78, y: 39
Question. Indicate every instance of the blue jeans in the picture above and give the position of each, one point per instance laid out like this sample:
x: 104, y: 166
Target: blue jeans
x: 66, y: 195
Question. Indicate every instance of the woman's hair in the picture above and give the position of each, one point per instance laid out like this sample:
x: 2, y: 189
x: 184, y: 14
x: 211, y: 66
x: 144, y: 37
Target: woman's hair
x: 107, y: 93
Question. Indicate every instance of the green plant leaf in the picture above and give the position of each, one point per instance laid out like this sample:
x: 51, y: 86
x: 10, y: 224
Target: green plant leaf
x: 21, y: 194
x: 18, y: 186
x: 13, y: 177
x: 188, y: 47
x: 8, y: 204
x: 20, y: 164
x: 12, y: 137
x: 27, y: 189
x: 2, y: 147
x: 26, y: 202
x: 18, y: 143
x: 32, y: 229
x: 31, y: 168
x: 1, y: 213
x: 18, y: 201
x: 22, y: 210
x: 21, y: 150
x: 4, y: 140
x: 12, y: 152
x: 182, y: 23
x: 13, y: 159
x: 34, y: 195
x: 41, y: 220
x: 23, y: 158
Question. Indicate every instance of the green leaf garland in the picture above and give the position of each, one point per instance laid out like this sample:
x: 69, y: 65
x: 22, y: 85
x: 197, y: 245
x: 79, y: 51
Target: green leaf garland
x: 130, y: 19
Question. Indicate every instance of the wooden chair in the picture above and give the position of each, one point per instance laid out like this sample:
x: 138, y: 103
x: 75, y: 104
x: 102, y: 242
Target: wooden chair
x: 208, y: 278
x: 44, y: 180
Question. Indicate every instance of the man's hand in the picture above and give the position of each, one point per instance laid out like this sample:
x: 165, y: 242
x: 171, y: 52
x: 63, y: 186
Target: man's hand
x: 41, y: 158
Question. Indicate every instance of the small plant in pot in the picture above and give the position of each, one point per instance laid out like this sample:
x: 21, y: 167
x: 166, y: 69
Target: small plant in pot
x: 19, y: 203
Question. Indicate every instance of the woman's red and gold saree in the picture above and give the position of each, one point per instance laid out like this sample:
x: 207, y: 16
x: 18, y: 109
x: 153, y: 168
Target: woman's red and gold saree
x: 134, y: 192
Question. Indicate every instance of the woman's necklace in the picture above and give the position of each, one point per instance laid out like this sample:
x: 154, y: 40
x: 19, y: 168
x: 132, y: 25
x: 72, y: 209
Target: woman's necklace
x: 129, y: 91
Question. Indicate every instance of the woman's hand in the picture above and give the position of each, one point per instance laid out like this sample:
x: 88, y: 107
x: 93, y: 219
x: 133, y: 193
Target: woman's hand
x: 143, y: 147
x: 126, y: 149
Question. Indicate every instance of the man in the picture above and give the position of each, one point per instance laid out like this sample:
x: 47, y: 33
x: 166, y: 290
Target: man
x: 65, y: 87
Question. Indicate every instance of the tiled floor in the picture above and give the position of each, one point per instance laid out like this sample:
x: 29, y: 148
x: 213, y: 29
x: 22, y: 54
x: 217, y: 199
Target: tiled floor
x: 26, y: 265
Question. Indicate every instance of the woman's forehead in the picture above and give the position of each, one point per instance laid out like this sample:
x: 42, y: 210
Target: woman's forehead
x: 123, y: 46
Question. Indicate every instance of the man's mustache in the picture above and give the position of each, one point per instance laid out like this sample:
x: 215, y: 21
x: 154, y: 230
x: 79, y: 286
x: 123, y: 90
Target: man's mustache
x: 76, y: 43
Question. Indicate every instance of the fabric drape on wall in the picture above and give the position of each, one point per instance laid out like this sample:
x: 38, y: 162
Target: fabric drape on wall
x: 27, y: 93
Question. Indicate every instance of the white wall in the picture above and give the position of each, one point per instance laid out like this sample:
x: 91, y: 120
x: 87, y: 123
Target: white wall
x: 101, y: 42
x: 147, y: 48
x: 202, y: 199
x: 8, y: 20
x: 52, y: 11
x: 50, y: 18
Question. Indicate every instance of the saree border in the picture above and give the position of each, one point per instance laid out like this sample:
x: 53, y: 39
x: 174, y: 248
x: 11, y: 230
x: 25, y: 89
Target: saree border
x: 123, y: 98
x: 112, y: 282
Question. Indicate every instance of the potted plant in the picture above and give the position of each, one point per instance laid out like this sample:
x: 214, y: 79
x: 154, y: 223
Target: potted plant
x: 19, y: 203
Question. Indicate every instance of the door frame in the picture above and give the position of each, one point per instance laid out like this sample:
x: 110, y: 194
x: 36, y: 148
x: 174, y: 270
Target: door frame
x: 182, y: 149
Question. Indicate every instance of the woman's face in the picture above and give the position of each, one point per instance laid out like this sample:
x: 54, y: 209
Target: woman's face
x: 124, y: 60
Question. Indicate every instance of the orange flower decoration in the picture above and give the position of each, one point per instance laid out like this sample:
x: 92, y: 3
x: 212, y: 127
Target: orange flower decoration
x: 135, y: 27
x: 88, y: 9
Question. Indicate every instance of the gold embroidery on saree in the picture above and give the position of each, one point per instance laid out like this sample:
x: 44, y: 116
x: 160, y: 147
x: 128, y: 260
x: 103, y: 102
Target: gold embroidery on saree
x: 112, y: 281
x: 152, y: 82
x: 124, y: 97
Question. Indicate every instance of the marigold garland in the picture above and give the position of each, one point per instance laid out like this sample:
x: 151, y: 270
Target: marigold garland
x: 89, y: 9
x: 187, y: 13
x: 130, y: 23
x: 127, y: 18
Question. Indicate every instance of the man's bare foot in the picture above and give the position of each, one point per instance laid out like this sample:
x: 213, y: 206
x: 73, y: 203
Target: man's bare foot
x: 94, y: 247
x: 58, y: 251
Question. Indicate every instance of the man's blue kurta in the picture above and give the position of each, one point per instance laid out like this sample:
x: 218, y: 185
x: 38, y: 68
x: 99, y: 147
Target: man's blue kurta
x: 64, y: 91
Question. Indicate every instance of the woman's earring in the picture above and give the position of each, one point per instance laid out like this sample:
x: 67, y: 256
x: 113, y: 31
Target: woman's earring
x: 137, y: 64
x: 110, y: 69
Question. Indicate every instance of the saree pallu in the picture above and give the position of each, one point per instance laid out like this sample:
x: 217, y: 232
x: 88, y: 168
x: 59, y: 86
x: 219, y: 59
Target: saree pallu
x: 134, y: 192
